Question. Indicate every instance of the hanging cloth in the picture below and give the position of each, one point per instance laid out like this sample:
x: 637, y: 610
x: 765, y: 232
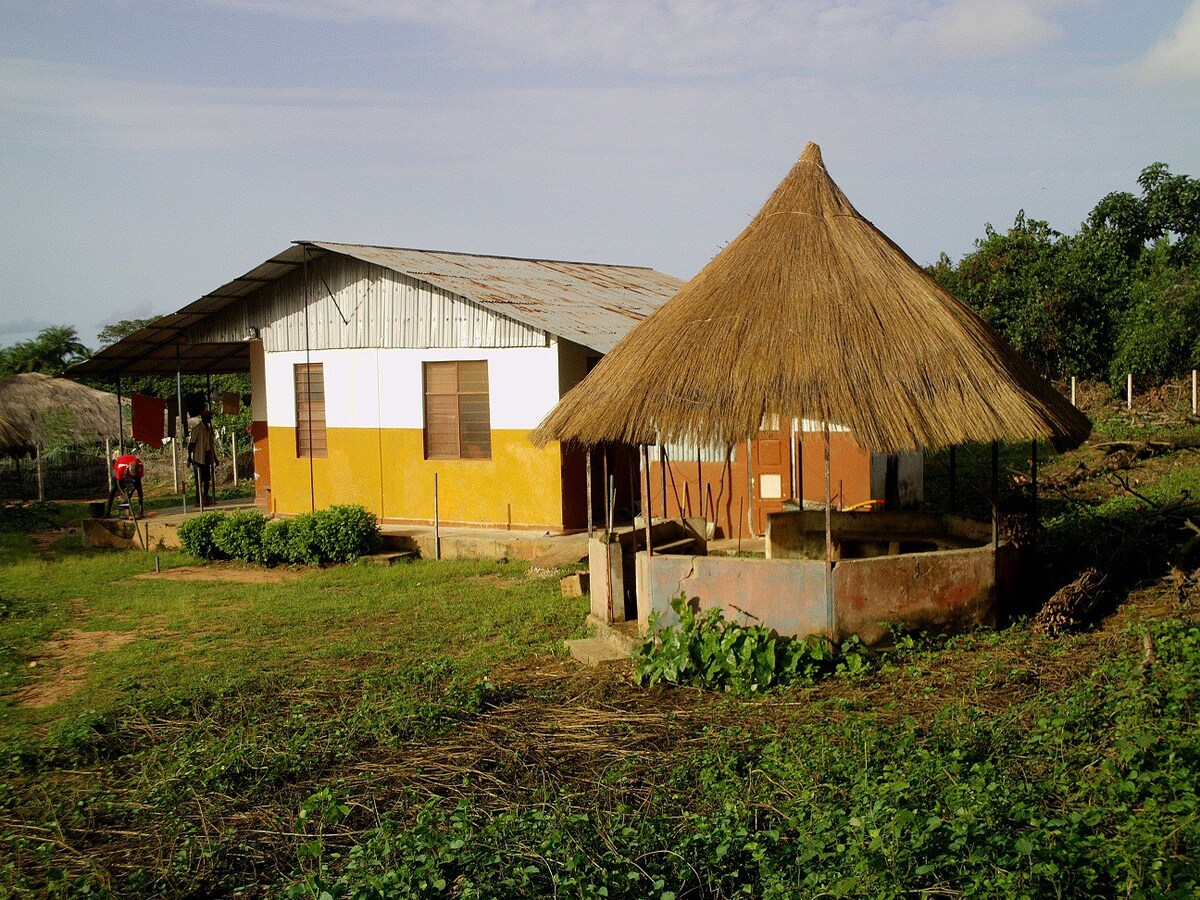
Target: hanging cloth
x: 148, y: 413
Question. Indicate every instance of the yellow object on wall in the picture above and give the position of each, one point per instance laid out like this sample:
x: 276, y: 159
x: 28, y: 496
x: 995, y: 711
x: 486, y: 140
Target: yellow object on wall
x: 385, y: 471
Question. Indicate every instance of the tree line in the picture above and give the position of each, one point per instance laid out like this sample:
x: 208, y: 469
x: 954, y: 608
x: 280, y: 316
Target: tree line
x: 1120, y: 295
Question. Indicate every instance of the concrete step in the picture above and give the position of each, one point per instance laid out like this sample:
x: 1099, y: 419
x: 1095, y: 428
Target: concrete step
x: 595, y: 651
x: 389, y: 559
x: 622, y: 635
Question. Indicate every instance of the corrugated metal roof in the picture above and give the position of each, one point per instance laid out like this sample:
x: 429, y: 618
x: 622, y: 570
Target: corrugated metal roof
x: 589, y: 303
x: 592, y: 304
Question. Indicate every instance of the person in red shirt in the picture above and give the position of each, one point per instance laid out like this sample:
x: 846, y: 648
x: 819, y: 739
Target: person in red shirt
x: 127, y: 477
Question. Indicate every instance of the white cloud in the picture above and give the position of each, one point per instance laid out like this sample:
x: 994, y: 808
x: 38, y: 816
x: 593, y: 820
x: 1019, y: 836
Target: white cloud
x: 710, y: 37
x: 987, y: 28
x: 1177, y: 57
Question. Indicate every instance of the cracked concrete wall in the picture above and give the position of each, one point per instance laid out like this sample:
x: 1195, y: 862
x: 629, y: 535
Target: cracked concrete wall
x: 787, y: 595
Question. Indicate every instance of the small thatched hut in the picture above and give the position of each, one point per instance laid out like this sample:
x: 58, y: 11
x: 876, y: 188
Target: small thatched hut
x: 812, y: 312
x: 41, y: 410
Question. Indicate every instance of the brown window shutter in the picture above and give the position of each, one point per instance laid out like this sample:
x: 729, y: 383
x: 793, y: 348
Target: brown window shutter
x: 310, y: 411
x: 457, y: 410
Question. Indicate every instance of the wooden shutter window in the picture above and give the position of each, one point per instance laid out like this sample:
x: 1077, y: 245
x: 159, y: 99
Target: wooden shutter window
x: 457, y: 410
x: 310, y: 411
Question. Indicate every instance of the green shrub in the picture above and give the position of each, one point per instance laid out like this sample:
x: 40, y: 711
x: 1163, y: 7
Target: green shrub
x: 706, y: 650
x: 276, y: 542
x: 344, y: 533
x: 197, y: 535
x: 239, y: 535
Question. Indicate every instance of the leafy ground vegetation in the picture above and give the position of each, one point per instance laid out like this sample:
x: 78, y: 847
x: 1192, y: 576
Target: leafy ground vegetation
x: 412, y: 731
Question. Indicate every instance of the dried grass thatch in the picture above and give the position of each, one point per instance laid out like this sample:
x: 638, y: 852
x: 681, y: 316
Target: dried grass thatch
x: 41, y: 410
x: 813, y: 312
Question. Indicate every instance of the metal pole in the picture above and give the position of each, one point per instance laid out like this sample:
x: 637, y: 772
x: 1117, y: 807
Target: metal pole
x: 175, y: 462
x: 829, y: 613
x: 437, y: 532
x: 800, y: 465
x: 120, y: 419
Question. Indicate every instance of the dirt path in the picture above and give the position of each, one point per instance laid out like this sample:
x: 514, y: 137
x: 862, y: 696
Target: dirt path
x: 63, y: 669
x: 217, y: 572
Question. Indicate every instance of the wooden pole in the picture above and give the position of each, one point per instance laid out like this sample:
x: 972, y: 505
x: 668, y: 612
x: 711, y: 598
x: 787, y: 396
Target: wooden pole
x: 108, y: 461
x: 995, y: 494
x: 175, y: 462
x: 1193, y: 392
x: 1129, y: 391
x: 437, y: 533
x: 181, y: 431
x: 233, y: 453
x: 41, y: 485
x: 120, y: 419
x: 1073, y: 403
x: 662, y: 471
x: 750, y: 487
x: 1033, y: 467
x: 829, y: 613
x: 954, y: 478
x: 587, y: 467
x: 646, y: 505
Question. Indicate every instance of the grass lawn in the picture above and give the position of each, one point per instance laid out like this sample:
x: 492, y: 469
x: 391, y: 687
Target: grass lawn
x: 412, y: 731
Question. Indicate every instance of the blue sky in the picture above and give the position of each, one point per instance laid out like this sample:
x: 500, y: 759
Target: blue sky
x: 151, y: 151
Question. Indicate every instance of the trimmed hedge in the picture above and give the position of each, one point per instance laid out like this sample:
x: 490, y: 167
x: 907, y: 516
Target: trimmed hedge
x: 334, y: 535
x: 197, y: 535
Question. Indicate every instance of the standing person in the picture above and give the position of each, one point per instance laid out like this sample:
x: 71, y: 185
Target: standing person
x: 202, y: 455
x: 127, y: 478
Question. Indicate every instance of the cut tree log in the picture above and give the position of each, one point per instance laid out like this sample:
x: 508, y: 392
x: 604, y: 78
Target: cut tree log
x: 1072, y: 607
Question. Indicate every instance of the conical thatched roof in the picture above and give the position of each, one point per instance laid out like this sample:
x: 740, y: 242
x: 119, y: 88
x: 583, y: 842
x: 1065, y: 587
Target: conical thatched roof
x: 812, y: 311
x: 40, y: 409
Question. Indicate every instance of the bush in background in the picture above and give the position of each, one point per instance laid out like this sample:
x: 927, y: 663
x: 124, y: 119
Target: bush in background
x: 239, y: 535
x: 197, y: 535
x: 276, y: 541
x: 334, y: 535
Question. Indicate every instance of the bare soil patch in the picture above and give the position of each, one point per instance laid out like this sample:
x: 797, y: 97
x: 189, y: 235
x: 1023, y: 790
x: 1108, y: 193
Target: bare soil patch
x: 213, y: 572
x: 66, y: 664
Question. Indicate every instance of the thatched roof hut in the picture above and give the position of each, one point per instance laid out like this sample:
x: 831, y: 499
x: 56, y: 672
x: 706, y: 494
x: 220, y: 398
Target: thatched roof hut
x: 40, y: 410
x: 813, y: 312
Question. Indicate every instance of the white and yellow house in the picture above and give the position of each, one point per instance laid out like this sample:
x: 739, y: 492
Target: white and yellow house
x: 375, y: 369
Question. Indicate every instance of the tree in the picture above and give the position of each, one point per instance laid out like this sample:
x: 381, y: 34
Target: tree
x: 53, y: 351
x: 110, y: 334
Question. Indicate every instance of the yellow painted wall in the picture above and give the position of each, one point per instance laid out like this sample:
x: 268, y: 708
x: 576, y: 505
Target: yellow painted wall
x: 385, y: 470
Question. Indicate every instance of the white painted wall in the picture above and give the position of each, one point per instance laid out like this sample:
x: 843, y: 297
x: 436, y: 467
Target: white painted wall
x: 258, y: 383
x: 910, y: 474
x: 374, y: 388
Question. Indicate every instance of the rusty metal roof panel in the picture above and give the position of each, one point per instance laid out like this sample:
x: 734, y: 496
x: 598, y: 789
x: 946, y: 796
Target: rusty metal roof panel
x: 588, y: 303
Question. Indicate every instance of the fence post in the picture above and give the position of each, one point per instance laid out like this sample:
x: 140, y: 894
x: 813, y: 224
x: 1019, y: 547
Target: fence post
x: 1129, y: 391
x: 1073, y: 403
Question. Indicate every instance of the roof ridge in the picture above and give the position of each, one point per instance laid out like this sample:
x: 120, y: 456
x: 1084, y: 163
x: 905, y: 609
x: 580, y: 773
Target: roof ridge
x: 533, y: 259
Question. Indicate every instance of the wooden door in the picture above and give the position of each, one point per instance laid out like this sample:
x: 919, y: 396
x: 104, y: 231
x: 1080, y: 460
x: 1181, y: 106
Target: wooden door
x: 772, y: 474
